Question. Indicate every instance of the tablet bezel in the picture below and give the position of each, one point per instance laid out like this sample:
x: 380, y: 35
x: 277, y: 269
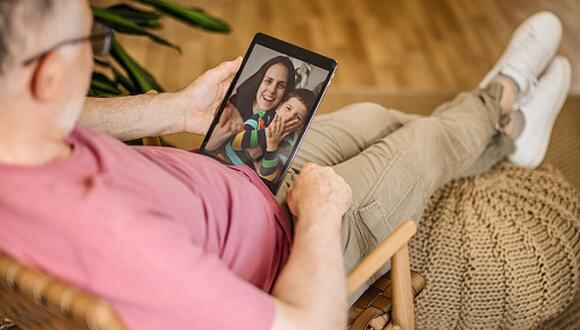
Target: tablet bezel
x: 292, y: 51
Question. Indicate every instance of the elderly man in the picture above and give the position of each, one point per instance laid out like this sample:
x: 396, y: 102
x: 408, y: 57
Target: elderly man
x: 176, y: 240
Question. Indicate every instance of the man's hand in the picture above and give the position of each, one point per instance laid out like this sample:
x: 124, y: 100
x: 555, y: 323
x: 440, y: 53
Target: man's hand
x: 314, y: 275
x: 201, y: 98
x: 319, y: 189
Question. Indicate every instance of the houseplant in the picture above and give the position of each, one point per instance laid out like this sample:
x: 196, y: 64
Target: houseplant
x: 122, y: 74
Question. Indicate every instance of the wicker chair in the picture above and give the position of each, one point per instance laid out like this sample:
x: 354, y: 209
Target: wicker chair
x: 32, y: 300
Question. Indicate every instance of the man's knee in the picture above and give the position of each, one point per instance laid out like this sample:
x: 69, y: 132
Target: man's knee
x: 368, y: 108
x: 371, y: 115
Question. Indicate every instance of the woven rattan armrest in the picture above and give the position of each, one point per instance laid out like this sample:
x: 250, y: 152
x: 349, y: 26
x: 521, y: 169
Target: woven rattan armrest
x: 33, y: 300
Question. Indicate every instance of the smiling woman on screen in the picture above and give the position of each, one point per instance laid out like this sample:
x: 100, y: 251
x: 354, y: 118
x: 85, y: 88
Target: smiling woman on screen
x: 266, y: 88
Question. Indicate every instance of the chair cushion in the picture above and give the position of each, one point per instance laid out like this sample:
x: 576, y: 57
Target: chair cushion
x: 501, y: 250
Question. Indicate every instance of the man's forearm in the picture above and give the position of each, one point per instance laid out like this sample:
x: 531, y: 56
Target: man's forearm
x: 134, y: 117
x: 313, y: 282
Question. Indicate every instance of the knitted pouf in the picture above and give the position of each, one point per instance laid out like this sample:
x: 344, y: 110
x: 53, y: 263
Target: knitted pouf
x: 499, y: 251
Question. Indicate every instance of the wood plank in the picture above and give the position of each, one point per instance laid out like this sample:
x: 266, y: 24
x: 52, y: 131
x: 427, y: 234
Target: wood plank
x: 396, y: 45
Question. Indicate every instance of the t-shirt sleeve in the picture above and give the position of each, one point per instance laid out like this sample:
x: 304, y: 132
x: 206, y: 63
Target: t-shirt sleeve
x: 252, y: 136
x: 157, y: 278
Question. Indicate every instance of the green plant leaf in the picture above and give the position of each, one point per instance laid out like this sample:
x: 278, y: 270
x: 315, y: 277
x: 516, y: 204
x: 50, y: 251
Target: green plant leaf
x: 193, y: 16
x: 141, y: 78
x: 95, y: 92
x: 103, y: 63
x: 138, y: 142
x: 122, y: 80
x: 131, y: 12
x: 124, y: 25
x: 143, y: 18
x: 103, y: 83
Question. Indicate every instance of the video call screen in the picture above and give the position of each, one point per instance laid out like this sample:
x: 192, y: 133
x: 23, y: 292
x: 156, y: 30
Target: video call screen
x: 267, y: 113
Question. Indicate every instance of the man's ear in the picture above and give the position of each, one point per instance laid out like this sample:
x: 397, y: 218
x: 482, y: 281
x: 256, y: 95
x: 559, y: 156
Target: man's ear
x: 47, y: 80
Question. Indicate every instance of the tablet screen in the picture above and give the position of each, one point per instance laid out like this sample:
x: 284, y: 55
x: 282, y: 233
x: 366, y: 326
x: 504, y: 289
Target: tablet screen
x: 270, y: 106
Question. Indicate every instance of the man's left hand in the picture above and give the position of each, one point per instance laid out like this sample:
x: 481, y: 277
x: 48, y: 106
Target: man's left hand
x: 201, y: 98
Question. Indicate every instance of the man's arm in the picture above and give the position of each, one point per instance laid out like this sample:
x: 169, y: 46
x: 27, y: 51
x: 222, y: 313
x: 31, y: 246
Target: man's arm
x: 134, y: 117
x: 189, y: 110
x: 311, y: 290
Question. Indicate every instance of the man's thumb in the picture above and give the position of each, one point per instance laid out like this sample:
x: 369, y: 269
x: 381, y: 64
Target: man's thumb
x: 227, y: 70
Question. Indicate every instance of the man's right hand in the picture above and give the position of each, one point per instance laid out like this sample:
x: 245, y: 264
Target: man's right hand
x: 314, y: 276
x: 319, y: 189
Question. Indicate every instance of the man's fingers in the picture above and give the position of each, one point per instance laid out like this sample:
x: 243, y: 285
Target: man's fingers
x: 230, y: 68
x: 226, y: 70
x: 308, y: 167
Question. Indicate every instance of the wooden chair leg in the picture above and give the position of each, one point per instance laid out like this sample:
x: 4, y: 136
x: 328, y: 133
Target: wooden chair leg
x: 379, y: 256
x: 403, y: 313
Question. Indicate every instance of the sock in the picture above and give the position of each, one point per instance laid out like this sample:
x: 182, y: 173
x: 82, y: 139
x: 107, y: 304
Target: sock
x: 518, y: 123
x: 512, y: 74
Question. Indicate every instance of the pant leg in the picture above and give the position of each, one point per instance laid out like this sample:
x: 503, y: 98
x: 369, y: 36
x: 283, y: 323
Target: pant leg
x: 500, y: 145
x: 338, y: 136
x: 393, y: 178
x: 392, y: 175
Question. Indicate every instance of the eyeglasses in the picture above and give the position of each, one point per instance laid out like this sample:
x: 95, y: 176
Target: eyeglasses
x: 101, y: 39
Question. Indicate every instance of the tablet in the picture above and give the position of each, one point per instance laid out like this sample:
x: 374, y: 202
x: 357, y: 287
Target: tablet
x: 268, y: 108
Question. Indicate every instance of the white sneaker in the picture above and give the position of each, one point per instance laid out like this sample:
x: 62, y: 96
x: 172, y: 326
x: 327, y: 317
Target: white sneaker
x: 531, y: 48
x: 540, y: 113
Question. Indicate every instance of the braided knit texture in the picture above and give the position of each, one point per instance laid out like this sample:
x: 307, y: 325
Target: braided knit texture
x: 500, y: 251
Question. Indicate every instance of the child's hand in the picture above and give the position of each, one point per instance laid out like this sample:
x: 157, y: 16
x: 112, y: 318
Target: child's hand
x: 291, y: 123
x: 275, y: 132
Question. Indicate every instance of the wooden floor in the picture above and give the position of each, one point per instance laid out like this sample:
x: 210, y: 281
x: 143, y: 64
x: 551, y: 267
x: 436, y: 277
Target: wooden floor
x: 392, y: 46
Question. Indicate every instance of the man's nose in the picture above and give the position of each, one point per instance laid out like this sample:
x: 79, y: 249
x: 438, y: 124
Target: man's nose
x: 272, y: 88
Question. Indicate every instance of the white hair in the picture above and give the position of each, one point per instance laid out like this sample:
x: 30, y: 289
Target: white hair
x: 24, y: 26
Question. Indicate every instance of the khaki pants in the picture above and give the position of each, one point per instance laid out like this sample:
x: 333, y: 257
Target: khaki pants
x: 395, y: 161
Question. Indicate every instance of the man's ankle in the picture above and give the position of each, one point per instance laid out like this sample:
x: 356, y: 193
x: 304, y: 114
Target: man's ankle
x: 510, y: 92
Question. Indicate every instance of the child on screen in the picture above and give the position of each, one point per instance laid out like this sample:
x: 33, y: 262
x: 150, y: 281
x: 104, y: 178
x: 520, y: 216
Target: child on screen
x: 265, y: 143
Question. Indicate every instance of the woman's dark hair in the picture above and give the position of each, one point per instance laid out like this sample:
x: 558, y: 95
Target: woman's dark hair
x: 246, y: 92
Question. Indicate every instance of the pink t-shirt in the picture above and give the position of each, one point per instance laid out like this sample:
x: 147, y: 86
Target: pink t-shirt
x: 172, y: 239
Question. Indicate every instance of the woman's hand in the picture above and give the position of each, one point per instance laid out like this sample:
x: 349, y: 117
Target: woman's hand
x: 199, y: 101
x: 229, y: 124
